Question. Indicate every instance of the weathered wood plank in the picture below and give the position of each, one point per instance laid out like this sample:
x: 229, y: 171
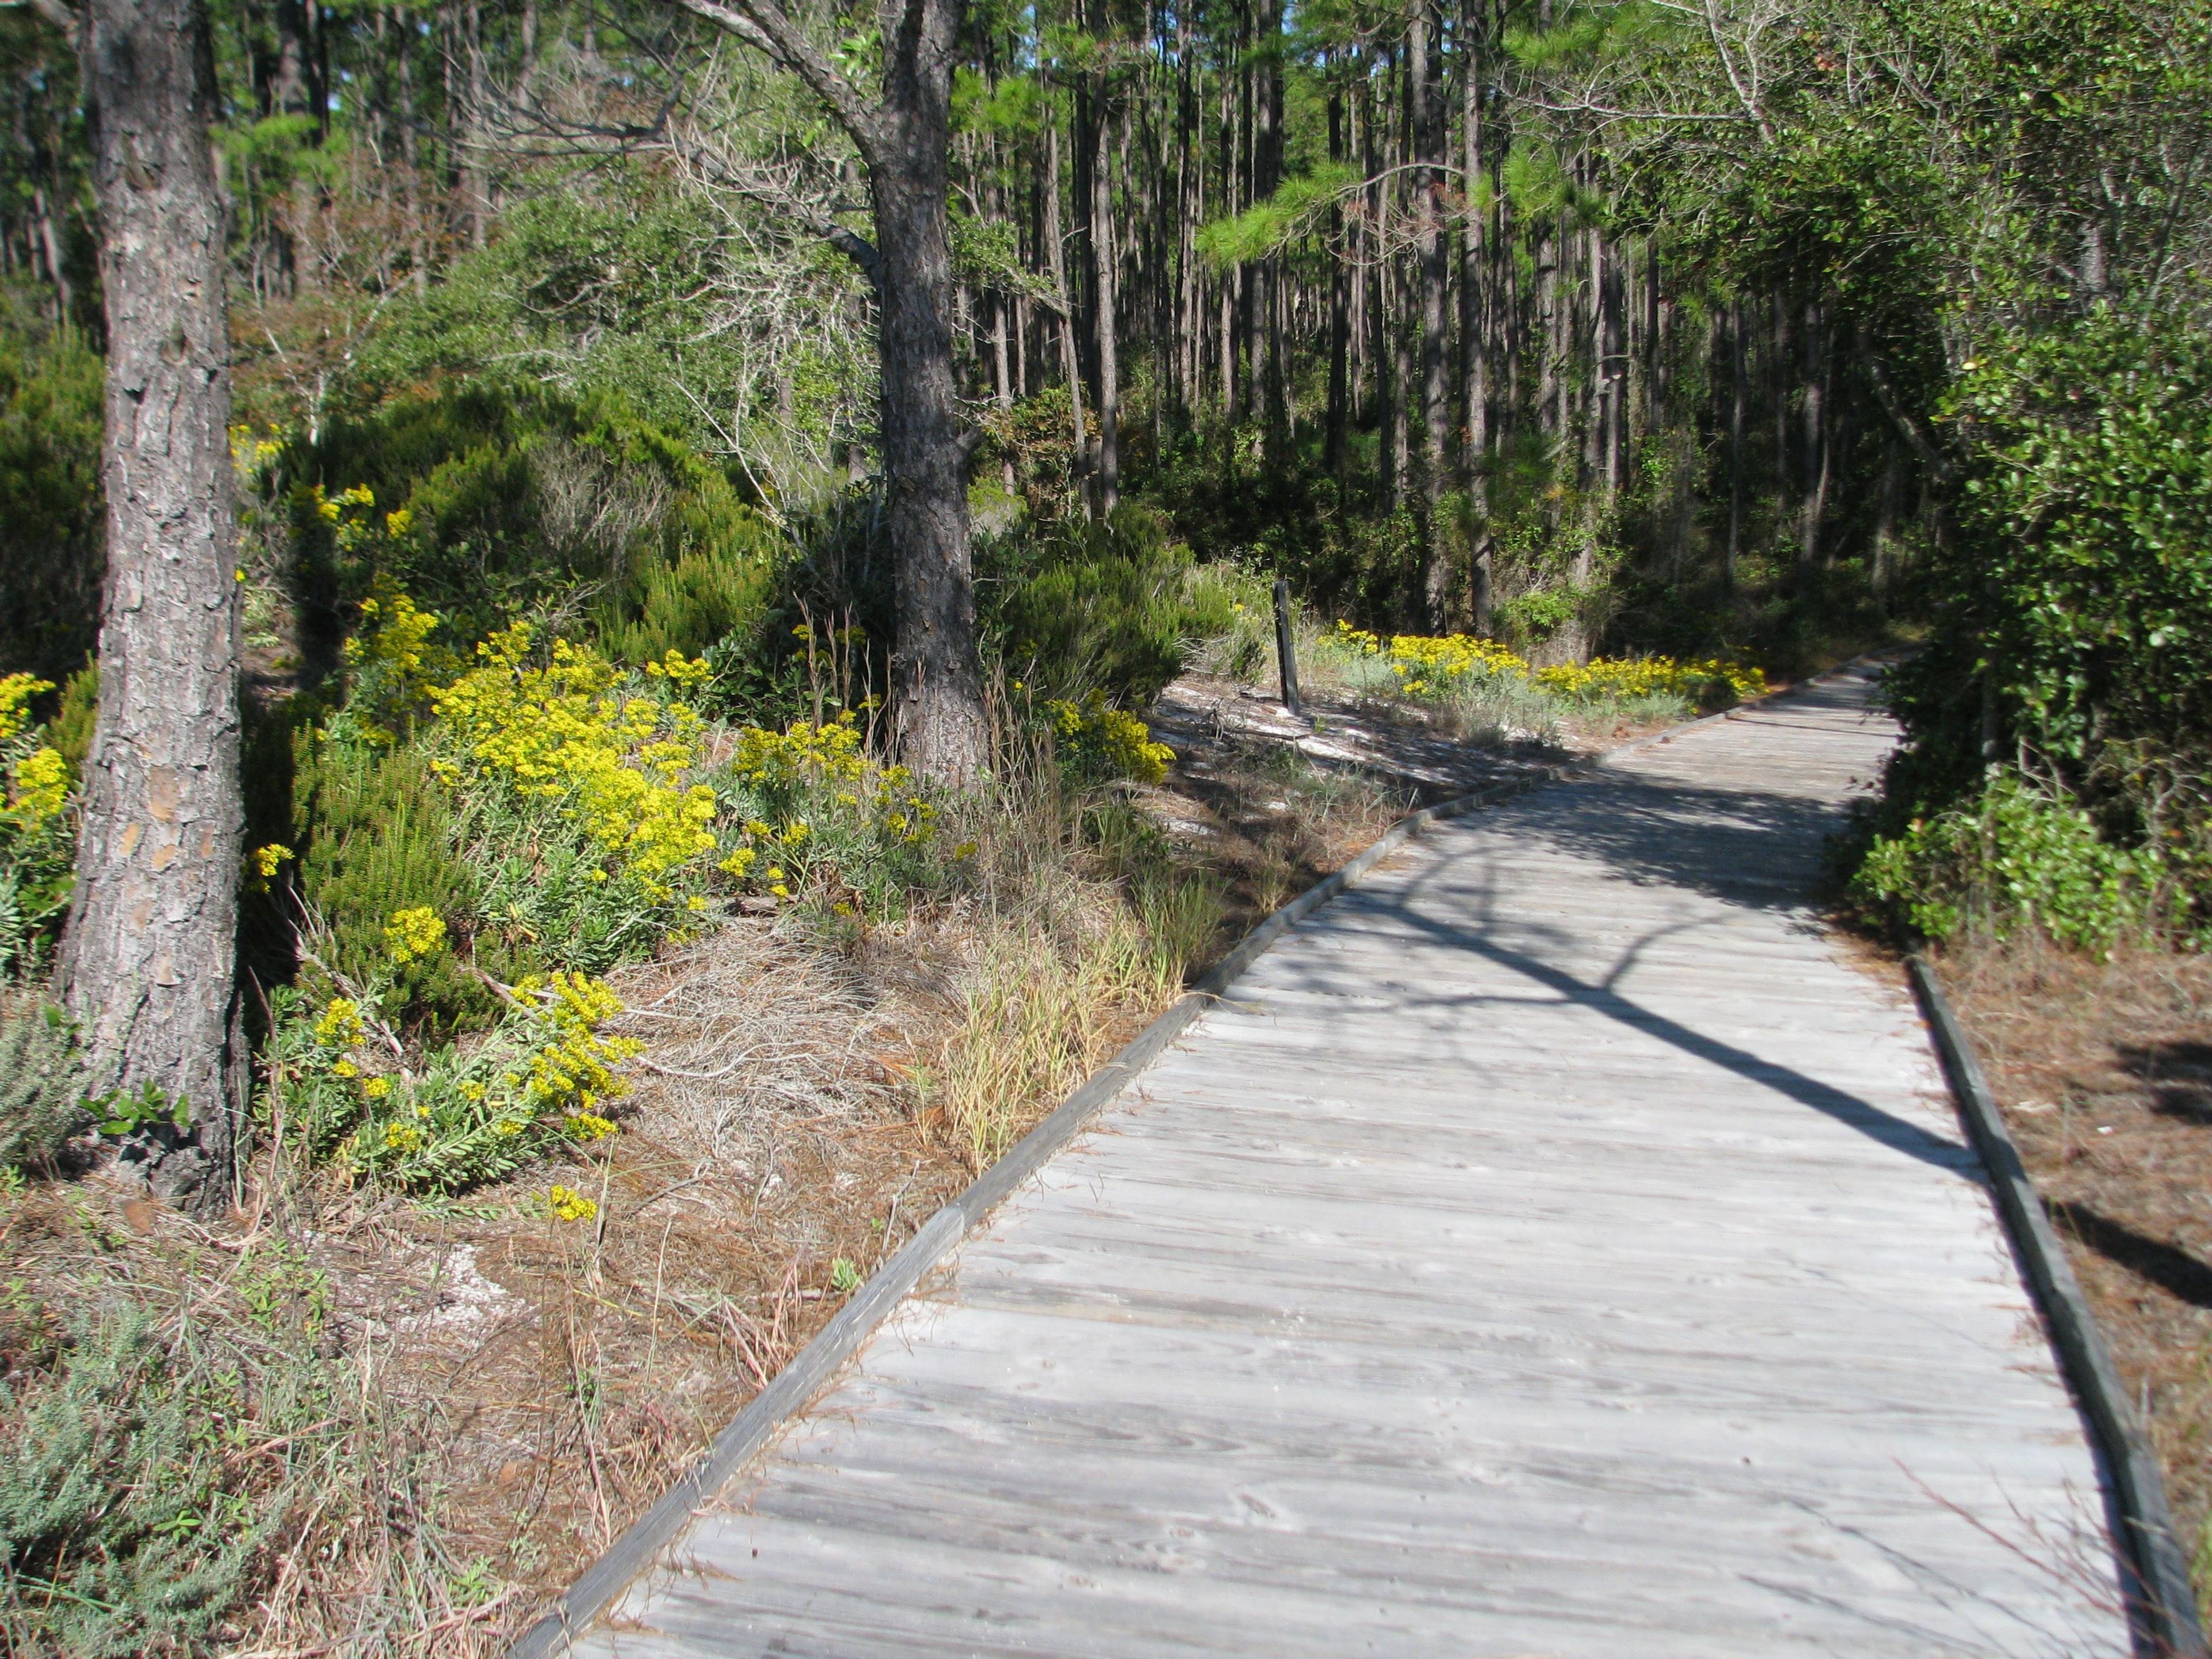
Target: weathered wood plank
x: 1552, y: 1246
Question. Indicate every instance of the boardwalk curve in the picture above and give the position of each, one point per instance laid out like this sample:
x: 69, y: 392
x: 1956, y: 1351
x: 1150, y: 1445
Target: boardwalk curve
x: 1556, y: 1246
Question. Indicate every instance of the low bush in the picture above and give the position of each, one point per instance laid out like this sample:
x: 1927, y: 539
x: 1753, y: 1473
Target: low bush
x: 145, y: 1470
x: 2020, y: 854
x: 37, y: 845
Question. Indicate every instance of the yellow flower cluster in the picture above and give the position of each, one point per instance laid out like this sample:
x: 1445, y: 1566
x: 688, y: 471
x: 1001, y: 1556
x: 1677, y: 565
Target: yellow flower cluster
x: 1601, y: 680
x: 340, y: 1025
x: 575, y: 1071
x: 267, y: 860
x: 16, y: 691
x: 1429, y: 666
x: 42, y: 781
x: 804, y: 754
x: 566, y: 1204
x: 563, y: 733
x: 413, y: 934
x: 1094, y: 730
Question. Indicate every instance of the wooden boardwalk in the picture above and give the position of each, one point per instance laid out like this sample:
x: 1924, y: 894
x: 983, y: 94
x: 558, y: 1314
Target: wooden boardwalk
x: 1557, y: 1246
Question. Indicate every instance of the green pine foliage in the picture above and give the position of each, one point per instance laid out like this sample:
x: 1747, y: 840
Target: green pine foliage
x: 1109, y: 607
x: 377, y: 837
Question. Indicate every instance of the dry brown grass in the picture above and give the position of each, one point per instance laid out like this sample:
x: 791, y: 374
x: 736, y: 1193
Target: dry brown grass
x: 2104, y: 1070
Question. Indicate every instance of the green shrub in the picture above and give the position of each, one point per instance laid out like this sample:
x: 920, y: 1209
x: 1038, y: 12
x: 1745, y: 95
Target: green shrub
x: 122, y: 1525
x: 51, y: 386
x: 41, y: 1104
x: 2017, y: 855
x: 485, y: 502
x: 1108, y: 607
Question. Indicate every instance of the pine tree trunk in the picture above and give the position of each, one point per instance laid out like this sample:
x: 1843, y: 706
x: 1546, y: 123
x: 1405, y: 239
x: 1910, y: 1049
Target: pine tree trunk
x: 927, y: 442
x: 1104, y: 280
x: 1425, y: 63
x: 149, y: 960
x: 1056, y: 263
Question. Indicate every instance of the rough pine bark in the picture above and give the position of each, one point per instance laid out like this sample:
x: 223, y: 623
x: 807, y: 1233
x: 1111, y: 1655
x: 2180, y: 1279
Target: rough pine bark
x: 905, y: 139
x: 149, y: 957
x: 936, y: 677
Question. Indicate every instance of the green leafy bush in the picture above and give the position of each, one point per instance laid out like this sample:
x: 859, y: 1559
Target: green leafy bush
x: 2017, y: 855
x: 2077, y: 594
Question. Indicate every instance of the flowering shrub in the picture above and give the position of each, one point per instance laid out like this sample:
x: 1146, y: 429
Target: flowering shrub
x: 457, y: 1119
x: 1098, y: 738
x: 824, y: 812
x: 614, y: 762
x: 1431, y: 668
x: 1715, y: 681
x: 396, y: 668
x: 37, y: 848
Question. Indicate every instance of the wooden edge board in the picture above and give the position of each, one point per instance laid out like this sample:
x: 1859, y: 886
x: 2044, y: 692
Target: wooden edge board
x: 2161, y: 1605
x: 795, y: 1386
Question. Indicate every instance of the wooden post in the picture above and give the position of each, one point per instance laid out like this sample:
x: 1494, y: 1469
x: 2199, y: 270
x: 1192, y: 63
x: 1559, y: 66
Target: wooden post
x: 1286, y: 659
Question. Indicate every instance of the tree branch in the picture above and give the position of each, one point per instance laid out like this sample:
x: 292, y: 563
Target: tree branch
x: 1908, y: 428
x: 52, y: 10
x: 766, y: 25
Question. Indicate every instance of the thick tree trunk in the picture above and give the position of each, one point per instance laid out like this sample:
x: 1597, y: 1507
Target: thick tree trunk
x: 942, y: 731
x: 149, y: 957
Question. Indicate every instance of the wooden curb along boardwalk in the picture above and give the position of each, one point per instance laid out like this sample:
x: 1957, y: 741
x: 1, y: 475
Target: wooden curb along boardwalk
x: 1554, y: 1246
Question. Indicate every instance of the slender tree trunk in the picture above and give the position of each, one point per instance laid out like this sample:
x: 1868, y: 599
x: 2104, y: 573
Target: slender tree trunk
x: 149, y: 957
x: 1339, y: 302
x: 1270, y: 362
x: 1739, y: 402
x: 1056, y: 262
x: 1105, y: 279
x: 1814, y: 476
x: 1425, y: 63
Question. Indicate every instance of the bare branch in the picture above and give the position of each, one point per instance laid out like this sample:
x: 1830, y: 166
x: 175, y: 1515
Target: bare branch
x: 52, y: 10
x: 764, y: 24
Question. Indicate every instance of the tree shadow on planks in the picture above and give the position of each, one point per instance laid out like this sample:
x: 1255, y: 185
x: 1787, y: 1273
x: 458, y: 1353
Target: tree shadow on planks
x: 1763, y: 847
x: 1477, y: 937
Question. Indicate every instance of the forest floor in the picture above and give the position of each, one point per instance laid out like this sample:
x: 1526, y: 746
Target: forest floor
x: 2104, y: 1073
x: 528, y: 1385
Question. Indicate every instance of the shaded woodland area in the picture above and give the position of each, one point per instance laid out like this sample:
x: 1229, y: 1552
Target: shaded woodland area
x: 1584, y: 325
